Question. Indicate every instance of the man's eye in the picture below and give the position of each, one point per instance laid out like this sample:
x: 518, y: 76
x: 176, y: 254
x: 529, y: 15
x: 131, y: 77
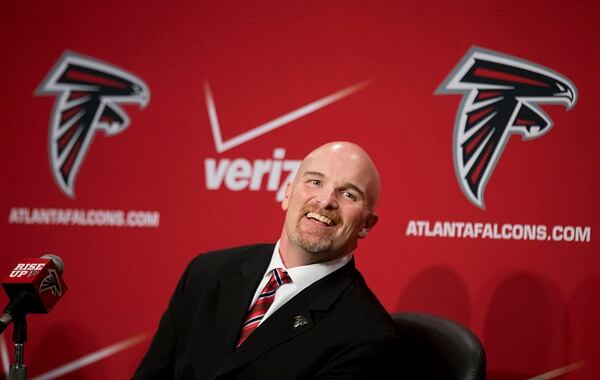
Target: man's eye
x: 315, y: 182
x: 350, y: 196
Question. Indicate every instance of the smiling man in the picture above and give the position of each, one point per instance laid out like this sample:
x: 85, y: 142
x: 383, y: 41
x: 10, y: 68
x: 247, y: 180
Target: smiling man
x: 295, y: 310
x: 330, y: 204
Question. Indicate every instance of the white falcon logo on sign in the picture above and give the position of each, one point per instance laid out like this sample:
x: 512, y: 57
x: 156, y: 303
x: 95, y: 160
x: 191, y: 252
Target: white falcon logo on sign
x: 88, y: 97
x: 500, y: 99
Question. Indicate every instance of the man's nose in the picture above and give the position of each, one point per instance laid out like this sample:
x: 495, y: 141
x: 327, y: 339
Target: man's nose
x: 327, y: 199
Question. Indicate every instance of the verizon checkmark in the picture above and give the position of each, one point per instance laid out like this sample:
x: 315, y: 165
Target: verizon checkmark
x: 221, y: 146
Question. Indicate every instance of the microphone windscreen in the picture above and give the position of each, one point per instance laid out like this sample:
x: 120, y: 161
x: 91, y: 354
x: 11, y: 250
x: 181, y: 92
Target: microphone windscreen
x: 60, y: 265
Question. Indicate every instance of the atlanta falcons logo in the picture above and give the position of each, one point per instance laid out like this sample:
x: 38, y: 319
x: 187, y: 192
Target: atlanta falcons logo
x: 88, y: 93
x: 51, y: 282
x: 500, y: 97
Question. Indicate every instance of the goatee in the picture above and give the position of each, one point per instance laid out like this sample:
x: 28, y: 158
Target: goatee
x: 315, y: 243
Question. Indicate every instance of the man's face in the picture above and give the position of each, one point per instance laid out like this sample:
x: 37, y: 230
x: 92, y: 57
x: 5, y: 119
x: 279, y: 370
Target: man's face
x: 329, y: 204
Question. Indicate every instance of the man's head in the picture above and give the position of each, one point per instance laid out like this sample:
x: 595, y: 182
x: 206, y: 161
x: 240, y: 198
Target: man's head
x: 329, y: 205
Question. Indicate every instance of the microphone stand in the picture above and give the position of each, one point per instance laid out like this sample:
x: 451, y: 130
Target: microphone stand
x: 18, y: 370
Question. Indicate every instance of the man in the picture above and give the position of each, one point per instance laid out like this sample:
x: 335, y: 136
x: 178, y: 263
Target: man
x: 299, y: 310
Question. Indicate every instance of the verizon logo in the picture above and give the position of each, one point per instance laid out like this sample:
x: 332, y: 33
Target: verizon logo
x: 271, y: 174
x: 239, y: 174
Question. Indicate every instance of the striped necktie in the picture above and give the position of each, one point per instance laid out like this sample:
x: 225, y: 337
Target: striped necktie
x: 262, y: 304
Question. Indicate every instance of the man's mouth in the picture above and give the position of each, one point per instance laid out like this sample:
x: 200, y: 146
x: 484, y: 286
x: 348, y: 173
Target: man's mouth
x: 320, y: 218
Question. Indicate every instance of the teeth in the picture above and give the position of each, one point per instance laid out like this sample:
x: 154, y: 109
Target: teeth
x: 320, y: 218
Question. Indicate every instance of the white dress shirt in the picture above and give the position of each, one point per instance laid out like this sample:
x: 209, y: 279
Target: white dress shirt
x: 302, y: 277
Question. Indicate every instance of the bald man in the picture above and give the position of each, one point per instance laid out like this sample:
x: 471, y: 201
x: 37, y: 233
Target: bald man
x: 298, y: 309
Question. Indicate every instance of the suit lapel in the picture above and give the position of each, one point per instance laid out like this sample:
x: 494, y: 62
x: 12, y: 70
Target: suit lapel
x: 235, y: 295
x: 292, y: 319
x: 216, y: 343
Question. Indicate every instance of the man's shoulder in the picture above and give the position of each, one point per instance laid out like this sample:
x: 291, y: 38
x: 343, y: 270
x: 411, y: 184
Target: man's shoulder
x: 361, y: 302
x: 229, y: 256
x: 214, y: 266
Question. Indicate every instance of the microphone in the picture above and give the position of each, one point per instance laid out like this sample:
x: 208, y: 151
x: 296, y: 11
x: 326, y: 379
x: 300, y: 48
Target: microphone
x: 34, y: 286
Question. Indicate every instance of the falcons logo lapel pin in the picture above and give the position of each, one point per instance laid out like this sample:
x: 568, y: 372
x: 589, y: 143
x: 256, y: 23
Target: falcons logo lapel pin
x: 88, y: 98
x: 501, y: 95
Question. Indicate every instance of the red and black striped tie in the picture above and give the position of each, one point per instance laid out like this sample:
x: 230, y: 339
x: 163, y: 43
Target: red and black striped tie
x: 262, y: 304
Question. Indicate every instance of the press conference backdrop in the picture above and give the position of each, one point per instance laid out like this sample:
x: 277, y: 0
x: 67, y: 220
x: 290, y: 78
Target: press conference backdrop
x: 138, y: 134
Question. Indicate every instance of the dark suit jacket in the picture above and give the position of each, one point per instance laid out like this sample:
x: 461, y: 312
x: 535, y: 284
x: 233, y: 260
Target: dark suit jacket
x: 347, y: 334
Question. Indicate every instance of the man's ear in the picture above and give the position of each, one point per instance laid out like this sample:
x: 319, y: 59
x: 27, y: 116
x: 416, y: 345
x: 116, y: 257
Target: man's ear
x: 370, y: 222
x: 286, y: 199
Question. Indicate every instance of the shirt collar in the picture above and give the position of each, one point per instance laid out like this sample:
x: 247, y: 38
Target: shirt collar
x: 305, y: 275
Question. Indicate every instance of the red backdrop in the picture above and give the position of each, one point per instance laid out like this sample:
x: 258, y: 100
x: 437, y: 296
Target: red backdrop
x: 531, y: 301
